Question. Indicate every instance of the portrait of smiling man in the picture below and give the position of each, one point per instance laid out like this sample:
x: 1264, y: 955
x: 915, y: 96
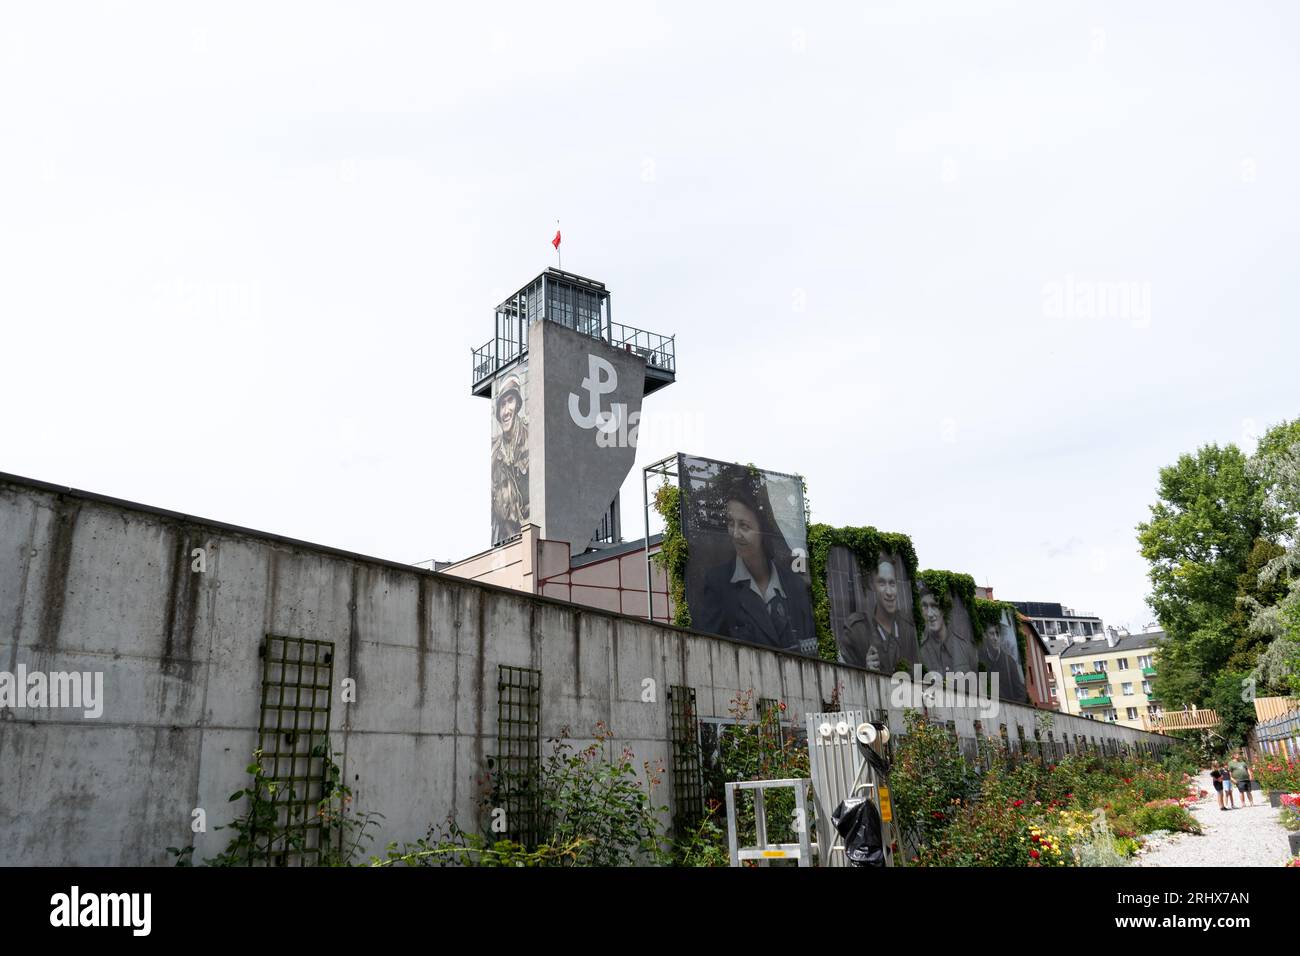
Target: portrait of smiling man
x: 871, y: 638
x: 509, y: 461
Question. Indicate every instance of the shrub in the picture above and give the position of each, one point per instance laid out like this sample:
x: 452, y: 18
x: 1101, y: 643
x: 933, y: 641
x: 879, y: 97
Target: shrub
x: 929, y: 780
x: 1165, y: 816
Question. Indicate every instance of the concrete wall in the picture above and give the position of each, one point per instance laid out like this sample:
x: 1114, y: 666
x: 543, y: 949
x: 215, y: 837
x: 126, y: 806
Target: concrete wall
x: 92, y: 584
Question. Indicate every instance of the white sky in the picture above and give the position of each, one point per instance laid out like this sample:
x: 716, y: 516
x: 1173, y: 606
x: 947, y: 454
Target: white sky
x: 244, y: 255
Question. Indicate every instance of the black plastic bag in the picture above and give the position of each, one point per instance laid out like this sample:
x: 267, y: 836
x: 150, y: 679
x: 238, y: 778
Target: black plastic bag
x: 858, y: 822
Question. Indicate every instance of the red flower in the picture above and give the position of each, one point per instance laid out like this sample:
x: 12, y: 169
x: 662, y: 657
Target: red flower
x: 1018, y: 803
x: 782, y: 705
x: 1033, y: 854
x: 937, y: 814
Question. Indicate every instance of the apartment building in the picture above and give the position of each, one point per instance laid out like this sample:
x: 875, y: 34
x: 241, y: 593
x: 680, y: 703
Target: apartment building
x: 1111, y: 679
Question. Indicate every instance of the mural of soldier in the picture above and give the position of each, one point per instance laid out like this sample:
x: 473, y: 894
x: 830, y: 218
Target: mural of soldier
x: 873, y: 629
x: 999, y: 652
x: 509, y: 459
x: 946, y: 644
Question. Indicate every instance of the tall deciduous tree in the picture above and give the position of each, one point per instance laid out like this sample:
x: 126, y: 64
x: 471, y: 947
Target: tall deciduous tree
x: 1225, y: 565
x: 1209, y: 515
x: 1274, y: 608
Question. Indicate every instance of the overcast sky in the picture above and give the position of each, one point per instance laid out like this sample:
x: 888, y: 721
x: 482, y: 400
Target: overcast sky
x: 977, y: 274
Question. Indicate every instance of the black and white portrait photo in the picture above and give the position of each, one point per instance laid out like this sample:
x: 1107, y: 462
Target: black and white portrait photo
x: 999, y: 652
x: 871, y: 611
x: 947, y: 643
x: 746, y: 576
x: 509, y: 457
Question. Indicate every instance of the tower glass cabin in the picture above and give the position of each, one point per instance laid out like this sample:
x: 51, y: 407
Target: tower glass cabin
x: 577, y: 303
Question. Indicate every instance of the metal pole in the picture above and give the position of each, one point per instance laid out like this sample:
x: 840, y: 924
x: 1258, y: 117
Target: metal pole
x: 645, y: 513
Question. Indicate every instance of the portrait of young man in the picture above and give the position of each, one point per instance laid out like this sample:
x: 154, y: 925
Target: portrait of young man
x: 946, y: 646
x: 882, y: 636
x: 1000, y: 654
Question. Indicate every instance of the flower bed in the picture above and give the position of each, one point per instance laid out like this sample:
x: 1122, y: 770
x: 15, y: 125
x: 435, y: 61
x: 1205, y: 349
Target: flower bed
x: 1085, y: 810
x: 1290, y: 817
x: 1278, y: 774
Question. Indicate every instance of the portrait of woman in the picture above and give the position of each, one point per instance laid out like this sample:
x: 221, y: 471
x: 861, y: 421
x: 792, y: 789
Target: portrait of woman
x: 754, y: 595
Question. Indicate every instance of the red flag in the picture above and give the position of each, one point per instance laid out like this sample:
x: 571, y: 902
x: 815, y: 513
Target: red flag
x: 556, y: 241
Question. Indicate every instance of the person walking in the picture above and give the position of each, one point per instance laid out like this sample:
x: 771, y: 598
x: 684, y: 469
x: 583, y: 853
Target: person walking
x: 1227, y: 786
x: 1216, y: 775
x: 1241, y: 776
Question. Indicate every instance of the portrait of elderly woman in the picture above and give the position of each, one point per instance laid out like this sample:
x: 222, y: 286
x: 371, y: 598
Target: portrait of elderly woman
x: 946, y: 645
x: 509, y: 460
x: 999, y: 652
x: 754, y: 594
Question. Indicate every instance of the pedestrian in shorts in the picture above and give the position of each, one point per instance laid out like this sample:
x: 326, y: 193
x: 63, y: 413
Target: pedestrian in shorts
x: 1241, y: 776
x: 1216, y: 775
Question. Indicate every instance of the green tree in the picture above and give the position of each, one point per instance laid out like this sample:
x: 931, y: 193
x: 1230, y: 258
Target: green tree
x: 1209, y: 516
x: 1236, y: 716
x: 1272, y: 608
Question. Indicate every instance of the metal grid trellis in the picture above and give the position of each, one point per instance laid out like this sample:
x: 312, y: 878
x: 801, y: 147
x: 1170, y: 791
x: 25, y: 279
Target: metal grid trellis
x: 687, y: 777
x: 293, y: 736
x: 519, y: 751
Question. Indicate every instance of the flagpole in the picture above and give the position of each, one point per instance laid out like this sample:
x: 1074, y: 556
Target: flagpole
x: 559, y: 258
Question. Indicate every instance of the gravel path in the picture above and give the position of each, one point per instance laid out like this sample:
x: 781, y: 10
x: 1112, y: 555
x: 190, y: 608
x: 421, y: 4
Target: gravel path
x: 1246, y: 836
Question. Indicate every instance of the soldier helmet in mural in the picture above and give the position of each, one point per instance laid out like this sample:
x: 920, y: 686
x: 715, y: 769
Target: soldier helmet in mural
x: 509, y: 389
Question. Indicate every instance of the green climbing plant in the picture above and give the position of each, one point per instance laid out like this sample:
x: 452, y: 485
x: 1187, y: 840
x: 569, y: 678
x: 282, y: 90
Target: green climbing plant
x: 673, y: 551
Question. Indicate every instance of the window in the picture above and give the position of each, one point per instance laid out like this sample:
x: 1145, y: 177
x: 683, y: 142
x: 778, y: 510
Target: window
x: 1127, y: 688
x: 1144, y: 662
x: 1076, y: 669
x: 1146, y: 687
x: 1122, y: 664
x: 1153, y: 709
x: 1110, y: 716
x: 1100, y: 666
x: 1132, y: 713
x: 1053, y: 691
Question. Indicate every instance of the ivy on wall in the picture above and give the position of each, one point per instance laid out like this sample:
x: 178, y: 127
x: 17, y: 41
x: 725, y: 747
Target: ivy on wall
x: 672, y: 553
x: 867, y: 545
x: 943, y: 585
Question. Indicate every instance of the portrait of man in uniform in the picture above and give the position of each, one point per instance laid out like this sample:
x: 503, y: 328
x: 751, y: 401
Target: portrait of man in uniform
x: 1000, y: 654
x: 946, y: 645
x: 871, y: 611
x: 509, y: 460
